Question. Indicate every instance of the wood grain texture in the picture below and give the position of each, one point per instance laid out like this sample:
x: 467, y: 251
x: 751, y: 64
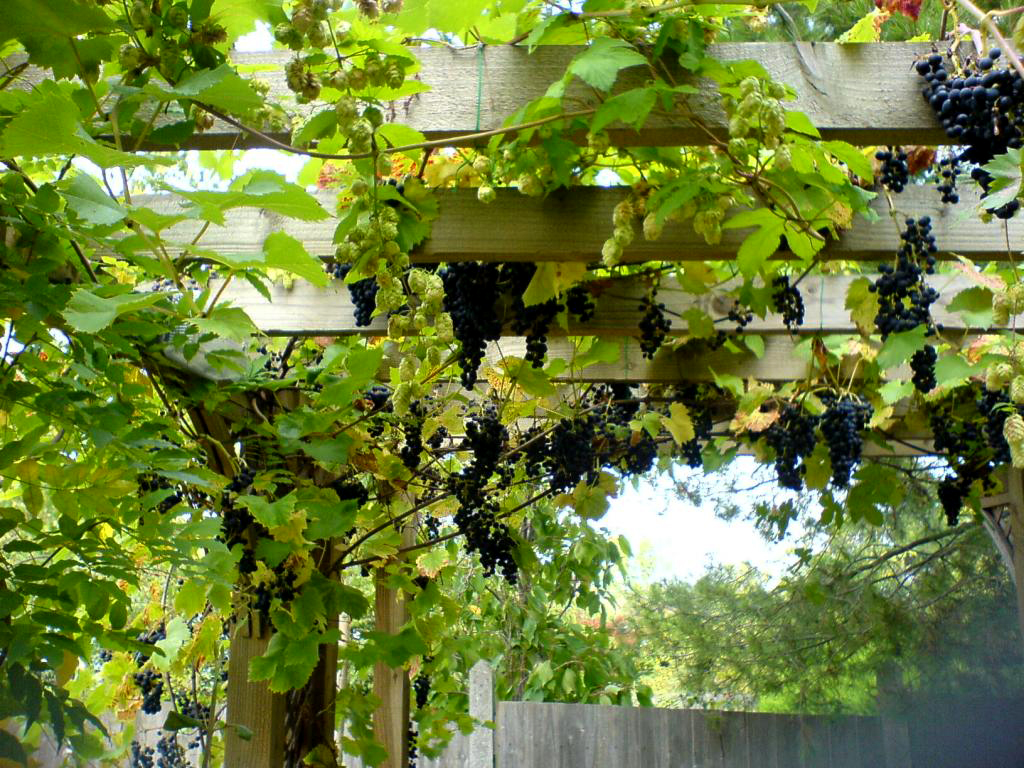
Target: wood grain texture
x: 549, y: 735
x: 253, y: 706
x: 303, y: 309
x: 573, y: 226
x: 866, y: 94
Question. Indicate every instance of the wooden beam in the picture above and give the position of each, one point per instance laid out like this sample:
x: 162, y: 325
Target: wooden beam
x: 303, y: 309
x: 573, y: 227
x: 865, y: 94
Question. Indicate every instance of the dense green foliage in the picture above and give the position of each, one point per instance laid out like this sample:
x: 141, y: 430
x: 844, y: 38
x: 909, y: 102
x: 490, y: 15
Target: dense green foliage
x: 864, y: 617
x: 168, y: 475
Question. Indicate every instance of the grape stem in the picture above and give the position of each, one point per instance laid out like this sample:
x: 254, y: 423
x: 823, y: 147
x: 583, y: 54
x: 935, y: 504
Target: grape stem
x: 985, y: 19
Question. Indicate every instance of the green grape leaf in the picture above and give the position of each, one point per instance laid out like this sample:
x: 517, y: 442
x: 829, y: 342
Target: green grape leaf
x: 630, y: 108
x: 239, y: 17
x: 599, y: 65
x: 801, y: 123
x: 862, y: 303
x: 952, y: 370
x: 257, y: 189
x: 1006, y: 174
x: 898, y: 348
x: 90, y: 312
x: 974, y: 305
x: 855, y: 160
x: 760, y: 244
x: 282, y: 251
x: 221, y: 88
x: 44, y: 19
x: 90, y: 203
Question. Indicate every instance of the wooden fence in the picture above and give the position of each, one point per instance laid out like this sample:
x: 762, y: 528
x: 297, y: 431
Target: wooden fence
x: 550, y: 735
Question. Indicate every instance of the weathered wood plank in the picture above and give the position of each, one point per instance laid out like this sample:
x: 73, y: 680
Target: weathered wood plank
x: 303, y: 309
x: 866, y: 94
x: 551, y: 735
x: 782, y: 361
x: 253, y: 706
x: 572, y: 227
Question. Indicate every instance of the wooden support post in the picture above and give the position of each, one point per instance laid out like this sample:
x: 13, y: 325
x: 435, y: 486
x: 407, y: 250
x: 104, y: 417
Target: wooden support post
x: 391, y: 685
x: 252, y: 706
x: 481, y: 707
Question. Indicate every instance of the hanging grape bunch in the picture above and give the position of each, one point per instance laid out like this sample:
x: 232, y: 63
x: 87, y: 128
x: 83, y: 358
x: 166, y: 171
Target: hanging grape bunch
x: 895, y: 173
x: 904, y: 299
x: 979, y: 106
x: 844, y: 419
x: 787, y: 301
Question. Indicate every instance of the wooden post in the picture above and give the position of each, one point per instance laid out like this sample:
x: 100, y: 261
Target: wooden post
x: 481, y: 707
x: 390, y: 685
x: 252, y: 706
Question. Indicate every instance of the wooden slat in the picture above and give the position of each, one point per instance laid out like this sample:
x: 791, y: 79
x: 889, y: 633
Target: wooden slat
x: 303, y: 309
x: 549, y: 735
x: 573, y: 226
x: 866, y: 94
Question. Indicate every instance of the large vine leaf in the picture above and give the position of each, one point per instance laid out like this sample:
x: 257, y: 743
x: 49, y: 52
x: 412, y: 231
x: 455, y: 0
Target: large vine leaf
x: 599, y: 65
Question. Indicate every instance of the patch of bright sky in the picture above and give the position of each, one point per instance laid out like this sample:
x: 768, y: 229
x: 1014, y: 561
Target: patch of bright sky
x: 673, y: 538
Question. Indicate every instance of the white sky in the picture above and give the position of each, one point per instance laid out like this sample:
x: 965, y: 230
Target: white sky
x: 673, y: 538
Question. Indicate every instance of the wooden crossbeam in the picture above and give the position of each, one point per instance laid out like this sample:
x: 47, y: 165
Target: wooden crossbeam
x: 866, y: 94
x: 572, y: 228
x: 303, y: 309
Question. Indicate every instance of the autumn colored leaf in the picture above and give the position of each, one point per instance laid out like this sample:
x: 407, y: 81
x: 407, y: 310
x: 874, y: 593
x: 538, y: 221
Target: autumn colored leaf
x: 909, y: 8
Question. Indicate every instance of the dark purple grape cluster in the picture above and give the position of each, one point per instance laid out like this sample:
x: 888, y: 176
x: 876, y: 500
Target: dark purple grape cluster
x: 904, y: 299
x: 654, y: 325
x: 922, y: 366
x: 363, y: 293
x: 531, y: 321
x: 487, y: 439
x: 170, y: 754
x: 235, y: 520
x: 579, y: 302
x: 421, y: 688
x: 437, y: 440
x: 142, y: 757
x: 350, y: 488
x: 841, y: 425
x: 378, y: 395
x: 412, y: 431
x: 740, y: 315
x: 571, y: 456
x: 470, y: 291
x: 792, y: 437
x: 980, y: 108
x: 894, y: 172
x: 696, y: 398
x: 947, y: 171
x: 787, y: 301
x: 151, y: 684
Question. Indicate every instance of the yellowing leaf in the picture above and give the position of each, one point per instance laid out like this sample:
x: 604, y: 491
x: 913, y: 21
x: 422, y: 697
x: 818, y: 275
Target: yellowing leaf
x: 550, y: 279
x: 678, y: 423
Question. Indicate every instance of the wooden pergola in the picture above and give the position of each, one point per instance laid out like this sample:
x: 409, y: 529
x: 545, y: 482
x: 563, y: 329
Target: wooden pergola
x: 863, y: 94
